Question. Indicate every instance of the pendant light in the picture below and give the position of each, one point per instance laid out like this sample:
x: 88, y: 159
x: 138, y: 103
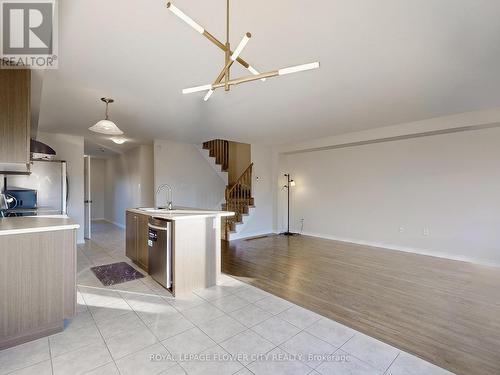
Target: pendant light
x: 106, y: 126
x: 119, y: 141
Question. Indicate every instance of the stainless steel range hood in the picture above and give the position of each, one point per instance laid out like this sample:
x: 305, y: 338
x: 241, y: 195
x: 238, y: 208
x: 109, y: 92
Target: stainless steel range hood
x: 41, y: 151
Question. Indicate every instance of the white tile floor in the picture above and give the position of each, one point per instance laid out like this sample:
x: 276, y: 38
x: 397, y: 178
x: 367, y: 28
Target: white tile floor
x: 233, y: 328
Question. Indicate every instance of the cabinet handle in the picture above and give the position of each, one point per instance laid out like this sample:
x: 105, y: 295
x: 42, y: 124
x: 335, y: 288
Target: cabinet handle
x: 157, y: 227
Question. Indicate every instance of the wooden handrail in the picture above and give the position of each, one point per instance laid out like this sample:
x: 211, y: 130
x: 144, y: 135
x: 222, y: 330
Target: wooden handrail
x: 238, y: 199
x: 244, y: 179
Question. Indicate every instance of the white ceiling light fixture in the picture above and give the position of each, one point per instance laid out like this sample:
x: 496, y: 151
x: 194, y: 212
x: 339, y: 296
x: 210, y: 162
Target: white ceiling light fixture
x: 224, y: 79
x: 119, y: 141
x: 298, y: 68
x: 106, y: 126
x: 208, y: 95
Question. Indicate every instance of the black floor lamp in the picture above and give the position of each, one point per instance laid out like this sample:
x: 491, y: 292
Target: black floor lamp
x: 289, y: 183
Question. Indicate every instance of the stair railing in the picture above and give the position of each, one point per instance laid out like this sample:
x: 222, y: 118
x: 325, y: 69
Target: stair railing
x: 219, y: 149
x: 238, y: 198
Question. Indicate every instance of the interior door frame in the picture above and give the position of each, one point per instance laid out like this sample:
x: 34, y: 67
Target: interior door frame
x: 87, y: 198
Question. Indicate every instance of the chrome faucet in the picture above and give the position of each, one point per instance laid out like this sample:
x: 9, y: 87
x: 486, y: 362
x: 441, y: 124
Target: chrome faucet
x: 169, y: 196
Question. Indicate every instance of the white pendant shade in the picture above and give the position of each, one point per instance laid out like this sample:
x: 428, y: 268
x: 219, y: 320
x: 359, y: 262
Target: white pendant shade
x: 106, y: 127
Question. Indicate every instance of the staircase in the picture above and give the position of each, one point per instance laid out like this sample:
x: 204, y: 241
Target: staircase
x: 238, y: 195
x: 219, y: 149
x: 239, y: 200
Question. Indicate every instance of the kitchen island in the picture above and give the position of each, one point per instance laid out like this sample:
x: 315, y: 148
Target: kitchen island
x: 37, y: 277
x: 195, y: 243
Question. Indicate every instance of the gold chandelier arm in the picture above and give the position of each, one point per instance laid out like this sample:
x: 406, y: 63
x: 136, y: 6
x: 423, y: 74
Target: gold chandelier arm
x: 240, y: 60
x: 223, y: 72
x: 237, y: 81
x: 230, y: 61
x: 228, y: 52
x: 221, y: 75
x: 211, y: 87
x: 274, y: 73
x: 227, y: 23
x: 219, y: 44
x: 207, y: 35
x: 227, y: 72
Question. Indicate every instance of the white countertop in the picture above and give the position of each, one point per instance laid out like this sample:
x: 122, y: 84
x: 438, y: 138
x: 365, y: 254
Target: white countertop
x: 180, y: 213
x: 34, y: 224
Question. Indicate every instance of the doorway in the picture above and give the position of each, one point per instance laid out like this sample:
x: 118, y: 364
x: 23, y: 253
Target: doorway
x: 87, y: 198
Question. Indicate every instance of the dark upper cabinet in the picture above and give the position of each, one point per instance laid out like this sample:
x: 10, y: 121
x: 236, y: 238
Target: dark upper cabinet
x: 15, y: 118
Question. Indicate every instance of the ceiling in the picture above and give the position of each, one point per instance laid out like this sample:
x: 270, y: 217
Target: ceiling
x: 97, y: 150
x: 382, y: 63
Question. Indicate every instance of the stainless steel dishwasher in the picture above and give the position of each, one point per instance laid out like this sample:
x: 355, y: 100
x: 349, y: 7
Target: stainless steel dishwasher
x: 160, y: 250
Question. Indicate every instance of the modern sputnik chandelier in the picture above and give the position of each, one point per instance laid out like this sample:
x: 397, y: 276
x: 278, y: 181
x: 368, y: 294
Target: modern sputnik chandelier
x: 224, y: 79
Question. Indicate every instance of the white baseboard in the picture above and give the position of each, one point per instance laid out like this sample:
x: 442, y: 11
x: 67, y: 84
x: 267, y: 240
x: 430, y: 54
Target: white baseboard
x: 406, y: 249
x: 98, y: 219
x: 237, y: 236
x: 115, y: 223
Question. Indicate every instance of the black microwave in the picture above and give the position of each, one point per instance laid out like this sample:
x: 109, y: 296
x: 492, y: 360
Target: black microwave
x: 22, y: 198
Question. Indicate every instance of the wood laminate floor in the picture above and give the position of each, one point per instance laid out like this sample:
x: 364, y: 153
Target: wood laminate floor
x: 446, y: 312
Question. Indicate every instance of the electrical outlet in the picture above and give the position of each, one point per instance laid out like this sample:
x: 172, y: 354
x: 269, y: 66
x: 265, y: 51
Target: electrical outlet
x: 426, y: 231
x: 401, y: 229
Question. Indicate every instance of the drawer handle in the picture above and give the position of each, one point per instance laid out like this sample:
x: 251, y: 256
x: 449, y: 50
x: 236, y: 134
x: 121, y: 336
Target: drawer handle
x: 157, y: 228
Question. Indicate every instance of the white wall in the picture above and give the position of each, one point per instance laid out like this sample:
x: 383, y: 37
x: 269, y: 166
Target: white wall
x: 442, y: 191
x: 129, y: 183
x: 260, y: 220
x: 70, y: 148
x: 460, y: 120
x: 97, y: 187
x: 146, y: 165
x: 194, y: 183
